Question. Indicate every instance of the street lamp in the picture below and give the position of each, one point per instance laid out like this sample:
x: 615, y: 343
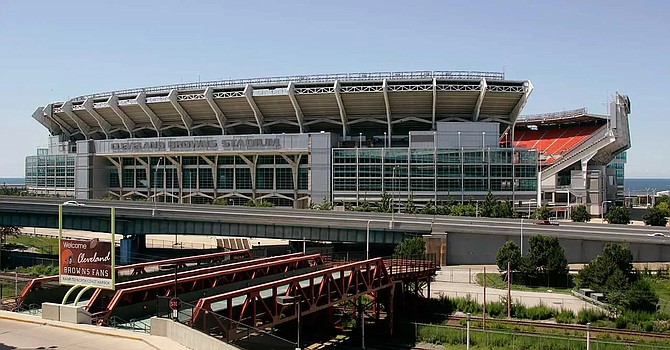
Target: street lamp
x: 521, y: 237
x: 529, y: 202
x: 367, y: 235
x: 467, y: 340
x: 287, y: 300
x: 384, y: 139
x: 360, y: 140
x: 602, y: 211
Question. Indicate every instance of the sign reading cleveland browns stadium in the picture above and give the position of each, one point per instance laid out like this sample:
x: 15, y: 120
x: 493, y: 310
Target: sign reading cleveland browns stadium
x: 221, y: 144
x: 87, y: 263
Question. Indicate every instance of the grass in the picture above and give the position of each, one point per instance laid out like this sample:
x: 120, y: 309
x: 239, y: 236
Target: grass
x: 494, y: 280
x: 662, y: 288
x: 455, y: 338
x: 44, y: 245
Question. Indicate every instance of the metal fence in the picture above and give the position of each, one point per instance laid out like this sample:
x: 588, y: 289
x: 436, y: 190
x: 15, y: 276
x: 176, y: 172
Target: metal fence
x: 458, y: 335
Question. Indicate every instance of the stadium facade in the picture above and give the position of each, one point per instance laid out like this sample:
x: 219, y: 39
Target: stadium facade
x: 346, y: 138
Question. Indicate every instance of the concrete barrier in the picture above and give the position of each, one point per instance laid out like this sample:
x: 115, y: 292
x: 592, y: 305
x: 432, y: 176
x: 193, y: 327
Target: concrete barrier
x: 186, y: 336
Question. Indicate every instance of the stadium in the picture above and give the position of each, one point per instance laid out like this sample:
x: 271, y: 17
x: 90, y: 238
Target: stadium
x: 427, y: 136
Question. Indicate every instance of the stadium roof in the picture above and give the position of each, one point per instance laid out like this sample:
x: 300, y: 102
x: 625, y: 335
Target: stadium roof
x: 562, y: 117
x: 347, y: 104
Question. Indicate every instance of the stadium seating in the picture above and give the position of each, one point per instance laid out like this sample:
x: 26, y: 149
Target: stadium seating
x: 553, y: 142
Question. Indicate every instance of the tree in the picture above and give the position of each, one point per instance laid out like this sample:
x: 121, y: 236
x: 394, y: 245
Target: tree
x: 487, y: 207
x: 542, y: 213
x: 612, y: 273
x: 429, y: 208
x: 655, y: 217
x: 414, y: 246
x: 6, y: 231
x: 463, y: 210
x: 385, y: 205
x: 509, y: 252
x: 547, y: 256
x: 410, y: 207
x: 580, y: 214
x: 503, y: 209
x: 618, y: 215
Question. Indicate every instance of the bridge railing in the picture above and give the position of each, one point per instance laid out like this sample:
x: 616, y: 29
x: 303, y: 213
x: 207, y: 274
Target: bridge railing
x: 240, y: 334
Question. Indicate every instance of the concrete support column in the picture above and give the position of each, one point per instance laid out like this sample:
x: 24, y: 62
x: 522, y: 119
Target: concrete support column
x: 131, y: 247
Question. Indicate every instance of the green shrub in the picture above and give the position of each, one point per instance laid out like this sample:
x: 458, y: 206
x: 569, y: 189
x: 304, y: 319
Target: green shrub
x: 496, y: 309
x: 467, y: 304
x: 565, y: 316
x: 585, y: 316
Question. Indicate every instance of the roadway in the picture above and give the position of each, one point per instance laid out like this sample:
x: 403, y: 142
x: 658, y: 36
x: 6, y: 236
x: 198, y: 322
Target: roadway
x: 422, y: 224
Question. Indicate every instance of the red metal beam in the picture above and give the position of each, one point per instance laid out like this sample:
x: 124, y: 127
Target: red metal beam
x: 95, y: 302
x: 200, y: 282
x: 317, y: 290
x: 137, y: 269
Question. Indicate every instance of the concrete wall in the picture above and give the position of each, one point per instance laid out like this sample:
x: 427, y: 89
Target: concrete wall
x: 320, y: 162
x: 466, y: 249
x: 65, y: 313
x: 186, y: 336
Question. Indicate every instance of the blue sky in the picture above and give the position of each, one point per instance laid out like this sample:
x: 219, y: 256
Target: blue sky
x: 574, y: 52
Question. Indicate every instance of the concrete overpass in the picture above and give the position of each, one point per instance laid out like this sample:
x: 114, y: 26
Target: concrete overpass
x: 468, y: 240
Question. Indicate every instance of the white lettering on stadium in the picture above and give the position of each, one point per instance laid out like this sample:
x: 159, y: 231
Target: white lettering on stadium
x: 194, y: 145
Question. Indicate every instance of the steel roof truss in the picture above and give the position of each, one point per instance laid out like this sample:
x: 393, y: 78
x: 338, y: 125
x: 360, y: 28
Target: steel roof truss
x: 298, y: 112
x: 186, y: 119
x: 220, y: 117
x: 249, y: 95
x: 113, y: 103
x: 480, y: 99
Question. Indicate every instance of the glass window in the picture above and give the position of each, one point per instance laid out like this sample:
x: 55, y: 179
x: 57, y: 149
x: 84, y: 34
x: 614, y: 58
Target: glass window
x: 448, y: 156
x: 264, y: 159
x: 264, y: 178
x: 395, y: 184
x: 226, y: 160
x: 475, y: 170
x: 423, y: 171
x: 475, y: 185
x: 525, y: 171
x: 128, y: 178
x: 369, y: 170
x: 344, y: 170
x: 395, y: 155
x: 344, y: 184
x: 303, y: 178
x: 206, y: 181
x: 190, y: 178
x: 113, y: 178
x: 370, y: 184
x: 422, y: 156
x: 284, y: 178
x: 141, y: 178
x: 391, y: 171
x: 343, y: 156
x: 448, y: 184
x: 243, y: 179
x: 225, y: 178
x: 190, y: 160
x: 422, y: 184
x: 367, y: 155
x: 452, y: 170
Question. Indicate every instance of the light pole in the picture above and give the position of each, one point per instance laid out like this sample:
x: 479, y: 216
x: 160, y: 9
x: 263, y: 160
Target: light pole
x: 287, y: 300
x: 602, y: 211
x: 467, y: 339
x: 367, y: 235
x: 384, y: 139
x: 529, y: 202
x: 360, y: 140
x: 155, y: 190
x: 521, y: 241
x: 588, y: 336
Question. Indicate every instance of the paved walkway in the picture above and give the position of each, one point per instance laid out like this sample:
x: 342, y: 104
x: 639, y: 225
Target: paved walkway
x: 19, y: 331
x: 460, y: 282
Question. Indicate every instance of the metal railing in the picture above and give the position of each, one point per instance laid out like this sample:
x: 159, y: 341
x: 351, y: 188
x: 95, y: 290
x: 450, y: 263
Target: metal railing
x: 317, y: 78
x: 134, y: 325
x: 240, y: 334
x: 553, y: 115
